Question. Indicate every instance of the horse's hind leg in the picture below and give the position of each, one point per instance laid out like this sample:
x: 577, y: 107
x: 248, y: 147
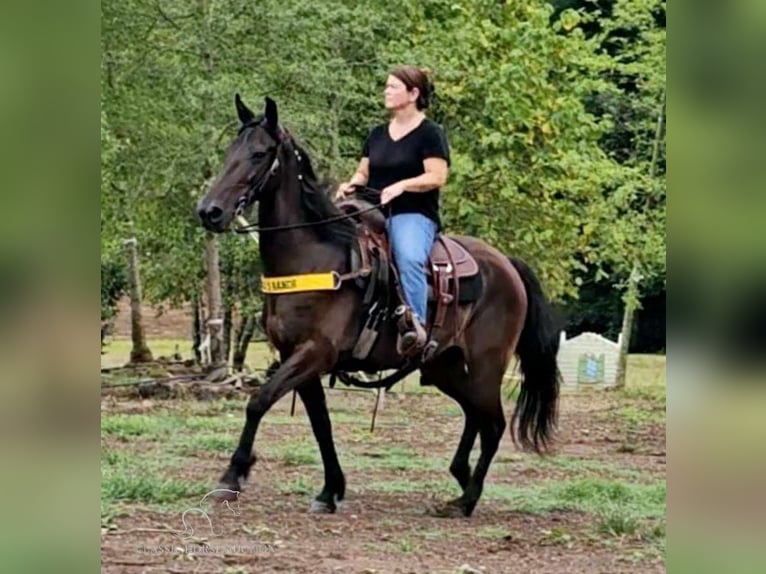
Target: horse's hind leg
x: 448, y: 374
x: 460, y: 468
x: 312, y: 395
x: 479, y: 395
x: 486, y: 378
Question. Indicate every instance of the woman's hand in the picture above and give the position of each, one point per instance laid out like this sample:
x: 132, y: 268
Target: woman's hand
x: 390, y: 192
x: 344, y: 190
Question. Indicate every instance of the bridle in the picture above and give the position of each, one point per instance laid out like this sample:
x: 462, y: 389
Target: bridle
x: 259, y: 183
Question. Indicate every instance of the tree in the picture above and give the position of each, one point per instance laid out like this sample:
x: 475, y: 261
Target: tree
x: 140, y: 352
x: 548, y: 111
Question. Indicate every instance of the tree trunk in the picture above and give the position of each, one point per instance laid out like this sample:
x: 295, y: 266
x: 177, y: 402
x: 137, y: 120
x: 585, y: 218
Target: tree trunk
x: 196, y: 328
x: 140, y: 352
x: 214, y: 318
x: 227, y: 312
x: 631, y: 302
x: 632, y: 293
x: 244, y: 336
x: 658, y: 136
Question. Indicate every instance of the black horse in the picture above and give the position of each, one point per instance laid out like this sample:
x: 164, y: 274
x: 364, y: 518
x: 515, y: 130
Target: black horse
x: 315, y: 331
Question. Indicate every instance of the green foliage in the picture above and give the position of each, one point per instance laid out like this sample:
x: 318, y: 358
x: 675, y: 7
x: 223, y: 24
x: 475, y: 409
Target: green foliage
x: 114, y: 282
x: 588, y: 495
x: 126, y: 426
x: 634, y: 208
x: 550, y: 113
x: 202, y: 444
x: 153, y: 427
x: 526, y: 159
x: 147, y: 488
x: 139, y: 478
x: 299, y: 485
x: 615, y: 521
x: 299, y: 454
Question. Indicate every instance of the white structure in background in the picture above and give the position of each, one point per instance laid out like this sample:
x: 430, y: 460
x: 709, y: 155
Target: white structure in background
x: 588, y: 359
x: 204, y: 346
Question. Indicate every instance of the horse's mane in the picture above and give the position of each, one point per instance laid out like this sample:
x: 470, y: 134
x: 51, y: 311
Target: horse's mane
x: 315, y: 199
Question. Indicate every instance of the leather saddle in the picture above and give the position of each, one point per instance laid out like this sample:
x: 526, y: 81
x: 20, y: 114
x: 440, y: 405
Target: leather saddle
x: 450, y: 265
x: 451, y: 255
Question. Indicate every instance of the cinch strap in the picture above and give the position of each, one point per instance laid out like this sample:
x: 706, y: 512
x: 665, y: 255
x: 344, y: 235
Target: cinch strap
x: 329, y: 281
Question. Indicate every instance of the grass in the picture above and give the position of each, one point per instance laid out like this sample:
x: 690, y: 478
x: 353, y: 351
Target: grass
x: 556, y: 536
x: 583, y: 468
x: 206, y: 443
x: 393, y: 458
x: 443, y: 487
x: 646, y: 378
x: 635, y: 416
x: 110, y: 511
x: 136, y: 425
x: 300, y: 485
x: 148, y: 488
x: 294, y: 453
x: 453, y: 410
x: 144, y: 478
x: 141, y: 451
x: 118, y: 351
x: 617, y: 521
x: 588, y: 495
x: 593, y: 496
x: 643, y: 400
x: 162, y: 424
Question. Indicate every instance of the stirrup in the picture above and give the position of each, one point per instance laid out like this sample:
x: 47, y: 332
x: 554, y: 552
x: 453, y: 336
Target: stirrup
x: 429, y: 351
x: 412, y: 336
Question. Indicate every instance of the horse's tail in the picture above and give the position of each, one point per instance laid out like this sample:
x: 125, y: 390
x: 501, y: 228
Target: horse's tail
x: 534, y: 418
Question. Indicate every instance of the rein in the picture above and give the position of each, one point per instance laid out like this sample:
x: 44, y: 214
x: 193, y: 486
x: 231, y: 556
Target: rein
x: 246, y: 199
x: 255, y: 228
x: 328, y: 281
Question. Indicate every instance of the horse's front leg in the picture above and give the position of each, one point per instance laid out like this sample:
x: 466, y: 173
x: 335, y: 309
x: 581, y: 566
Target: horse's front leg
x: 306, y: 363
x: 312, y: 395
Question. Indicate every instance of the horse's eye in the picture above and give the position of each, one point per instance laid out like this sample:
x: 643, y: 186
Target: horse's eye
x: 259, y: 154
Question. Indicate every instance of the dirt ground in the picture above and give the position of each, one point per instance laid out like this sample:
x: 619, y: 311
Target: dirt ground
x: 159, y: 322
x: 390, y: 529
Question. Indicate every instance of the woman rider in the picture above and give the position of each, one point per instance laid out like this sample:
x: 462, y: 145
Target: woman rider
x: 408, y: 159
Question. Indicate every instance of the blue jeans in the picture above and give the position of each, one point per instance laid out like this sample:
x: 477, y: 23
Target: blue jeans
x: 412, y: 236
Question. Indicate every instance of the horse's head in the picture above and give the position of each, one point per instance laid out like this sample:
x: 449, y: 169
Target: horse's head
x: 250, y: 168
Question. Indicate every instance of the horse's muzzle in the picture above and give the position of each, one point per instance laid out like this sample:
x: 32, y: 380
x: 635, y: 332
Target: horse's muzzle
x: 211, y: 215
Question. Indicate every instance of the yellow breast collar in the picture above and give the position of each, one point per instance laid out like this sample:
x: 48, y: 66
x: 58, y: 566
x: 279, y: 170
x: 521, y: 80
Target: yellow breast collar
x: 329, y: 281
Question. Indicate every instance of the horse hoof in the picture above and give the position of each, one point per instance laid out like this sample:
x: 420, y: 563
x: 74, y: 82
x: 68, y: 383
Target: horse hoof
x: 319, y: 507
x: 452, y: 509
x: 225, y: 492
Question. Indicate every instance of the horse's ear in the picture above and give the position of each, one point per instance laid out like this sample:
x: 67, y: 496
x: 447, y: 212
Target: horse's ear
x: 272, y: 117
x: 245, y: 114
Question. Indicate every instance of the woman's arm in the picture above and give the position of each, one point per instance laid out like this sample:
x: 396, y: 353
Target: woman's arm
x: 362, y: 174
x: 436, y: 172
x: 361, y: 177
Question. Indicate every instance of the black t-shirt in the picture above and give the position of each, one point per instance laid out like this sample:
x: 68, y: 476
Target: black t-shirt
x: 392, y: 161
